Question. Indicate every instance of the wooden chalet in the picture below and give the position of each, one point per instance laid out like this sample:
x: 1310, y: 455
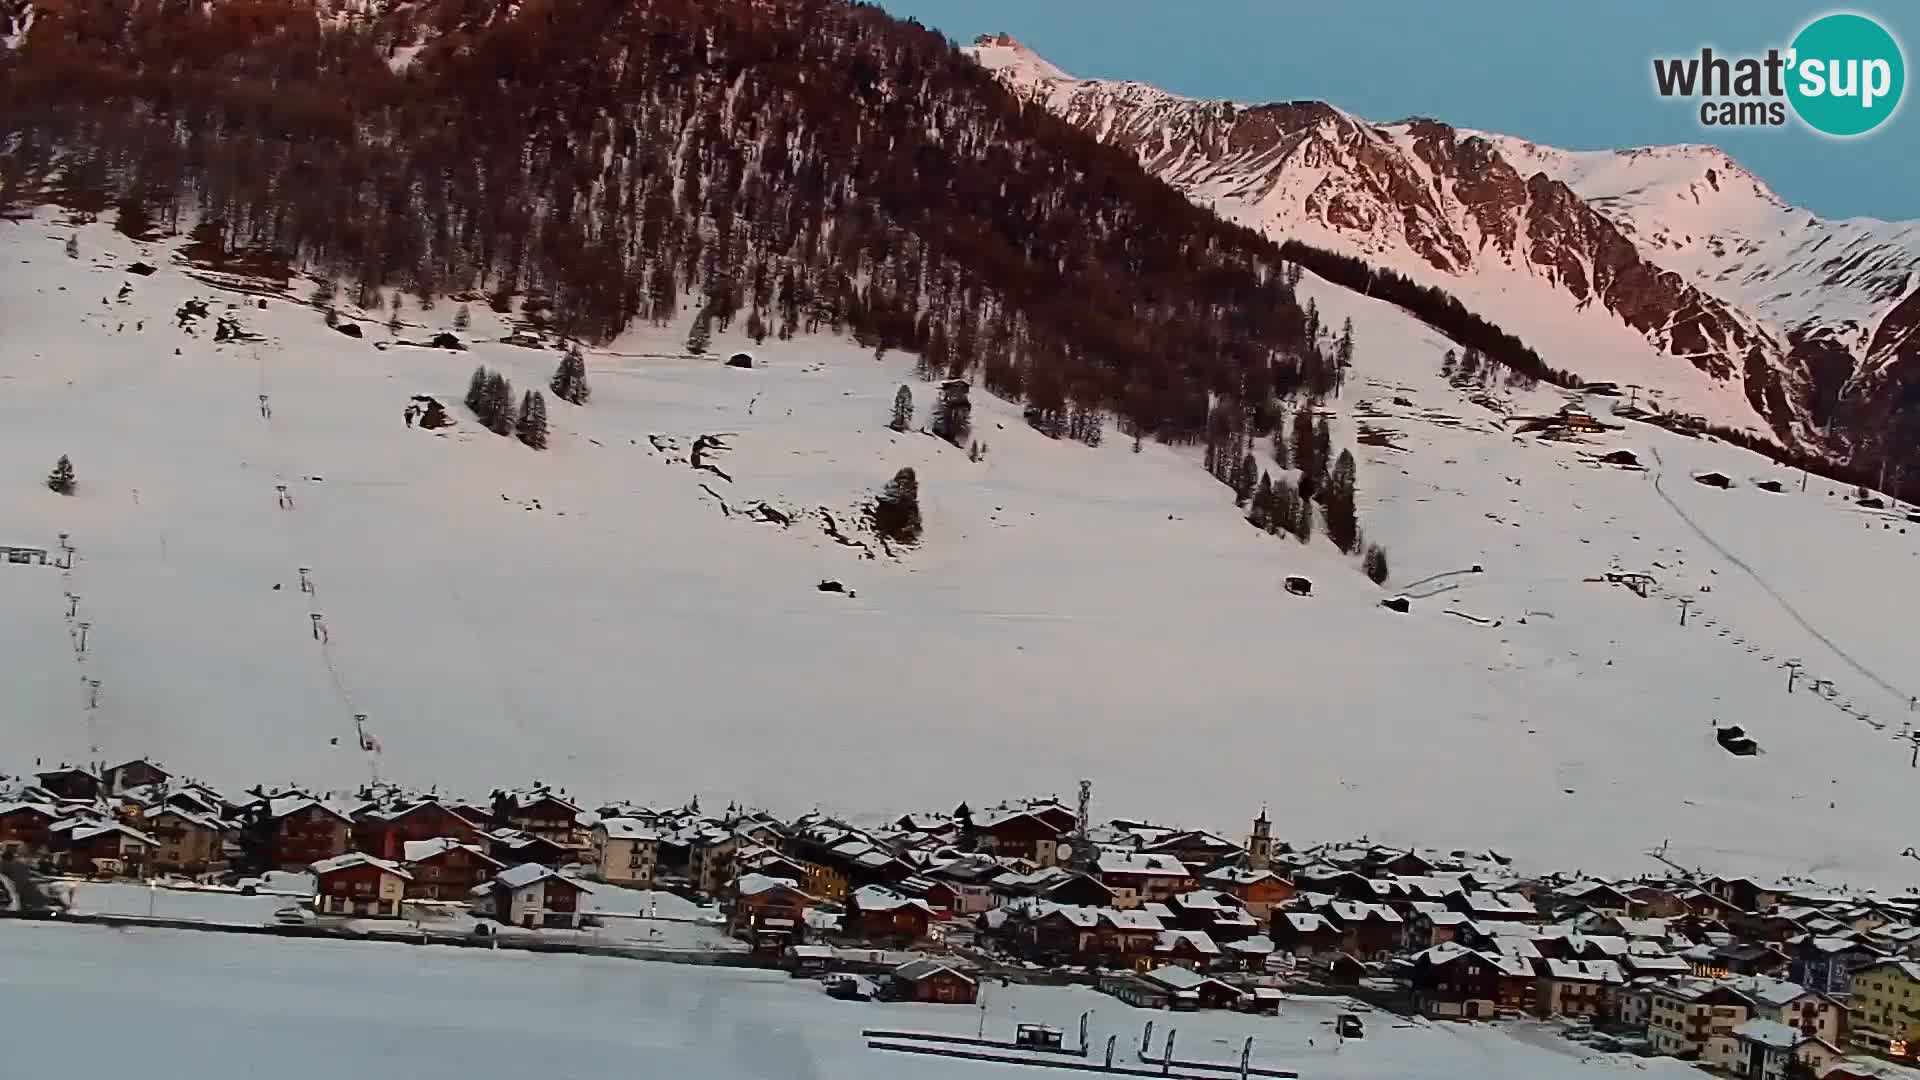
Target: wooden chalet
x: 931, y: 981
x: 446, y: 868
x: 305, y: 831
x: 24, y: 829
x: 76, y: 784
x: 880, y: 914
x: 360, y: 886
x: 532, y: 896
x: 186, y: 842
x: 384, y: 831
x: 1452, y: 982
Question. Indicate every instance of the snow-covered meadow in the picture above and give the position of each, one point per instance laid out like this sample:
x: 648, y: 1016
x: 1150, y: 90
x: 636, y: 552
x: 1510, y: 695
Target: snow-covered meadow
x: 299, y: 1009
x: 590, y: 616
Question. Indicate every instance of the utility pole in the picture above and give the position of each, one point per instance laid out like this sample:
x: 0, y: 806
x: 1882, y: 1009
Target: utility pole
x: 306, y: 583
x: 315, y: 616
x: 1685, y: 603
x: 84, y: 627
x: 1793, y: 674
x: 73, y: 605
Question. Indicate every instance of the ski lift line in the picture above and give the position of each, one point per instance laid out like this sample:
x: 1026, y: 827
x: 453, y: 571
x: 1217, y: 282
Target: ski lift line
x: 296, y: 541
x: 1785, y: 606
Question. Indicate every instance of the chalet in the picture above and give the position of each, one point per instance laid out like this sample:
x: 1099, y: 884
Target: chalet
x: 1339, y: 969
x: 1694, y: 1020
x: 384, y: 832
x: 1597, y: 896
x: 532, y: 896
x: 1654, y: 902
x: 1020, y: 834
x: 1249, y: 954
x: 1495, y: 907
x: 1744, y: 894
x: 186, y: 842
x: 1304, y: 934
x: 105, y: 848
x: 1217, y: 914
x: 138, y: 773
x: 359, y: 885
x: 770, y: 911
x: 80, y: 785
x: 1138, y: 878
x: 1587, y: 988
x: 933, y: 982
x: 24, y: 827
x: 1736, y: 958
x: 1804, y: 1010
x: 1190, y: 989
x: 1190, y: 949
x: 1259, y: 891
x: 626, y: 851
x: 305, y: 831
x: 1452, y: 982
x: 1767, y: 1050
x: 878, y: 913
x: 1369, y: 931
x: 1425, y: 929
x: 971, y: 879
x: 710, y: 859
x: 446, y: 868
x: 513, y: 847
x: 1105, y: 937
x: 1194, y: 848
x: 1827, y: 964
x: 543, y: 814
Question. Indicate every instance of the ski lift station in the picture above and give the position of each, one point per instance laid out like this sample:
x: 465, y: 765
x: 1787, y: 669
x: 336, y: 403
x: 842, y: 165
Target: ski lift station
x: 31, y: 556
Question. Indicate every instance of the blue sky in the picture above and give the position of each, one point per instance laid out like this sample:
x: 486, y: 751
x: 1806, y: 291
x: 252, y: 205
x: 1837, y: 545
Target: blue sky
x: 1571, y: 76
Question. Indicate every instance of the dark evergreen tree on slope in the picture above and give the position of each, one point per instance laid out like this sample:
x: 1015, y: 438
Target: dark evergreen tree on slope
x: 532, y: 424
x: 902, y: 409
x: 1343, y: 520
x: 896, y: 513
x: 61, y: 479
x: 570, y: 379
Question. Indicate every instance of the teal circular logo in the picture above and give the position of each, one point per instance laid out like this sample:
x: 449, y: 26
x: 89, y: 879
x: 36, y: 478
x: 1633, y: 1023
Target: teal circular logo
x: 1848, y: 74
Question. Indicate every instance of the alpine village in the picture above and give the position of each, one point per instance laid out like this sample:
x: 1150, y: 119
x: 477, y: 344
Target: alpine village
x: 1743, y: 977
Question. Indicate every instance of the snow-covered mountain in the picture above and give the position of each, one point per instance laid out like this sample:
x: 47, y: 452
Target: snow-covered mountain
x: 607, y: 617
x: 1667, y: 267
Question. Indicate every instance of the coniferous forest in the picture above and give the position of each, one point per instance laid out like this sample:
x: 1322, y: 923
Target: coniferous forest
x: 801, y: 166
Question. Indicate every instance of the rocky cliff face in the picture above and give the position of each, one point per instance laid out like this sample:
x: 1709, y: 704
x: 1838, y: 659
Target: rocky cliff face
x: 1667, y: 267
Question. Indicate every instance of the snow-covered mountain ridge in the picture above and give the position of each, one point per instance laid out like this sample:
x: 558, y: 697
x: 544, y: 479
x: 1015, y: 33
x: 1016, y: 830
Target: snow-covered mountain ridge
x: 1668, y: 267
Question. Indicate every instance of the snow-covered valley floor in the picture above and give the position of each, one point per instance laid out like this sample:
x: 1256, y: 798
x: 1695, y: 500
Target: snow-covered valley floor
x: 589, y: 616
x: 214, y: 1007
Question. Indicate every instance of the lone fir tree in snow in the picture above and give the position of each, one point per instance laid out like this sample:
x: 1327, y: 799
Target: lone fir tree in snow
x: 1375, y: 564
x: 477, y: 391
x: 700, y: 334
x: 61, y: 478
x: 896, y: 513
x: 570, y: 379
x: 1343, y: 523
x: 902, y: 409
x: 462, y: 318
x: 532, y: 425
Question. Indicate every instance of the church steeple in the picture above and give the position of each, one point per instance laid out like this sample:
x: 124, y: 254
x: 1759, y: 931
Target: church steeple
x: 1260, y: 844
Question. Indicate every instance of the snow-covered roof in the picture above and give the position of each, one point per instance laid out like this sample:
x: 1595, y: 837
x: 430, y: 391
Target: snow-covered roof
x: 1770, y: 1033
x: 881, y: 898
x: 1141, y: 865
x: 916, y: 970
x: 285, y: 805
x: 1593, y: 971
x: 1306, y: 923
x: 1198, y: 940
x: 755, y: 884
x: 626, y: 828
x: 526, y: 874
x: 358, y: 858
x: 413, y: 851
x: 101, y: 828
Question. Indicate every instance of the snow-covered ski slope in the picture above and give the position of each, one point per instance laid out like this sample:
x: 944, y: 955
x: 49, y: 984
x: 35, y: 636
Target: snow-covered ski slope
x: 589, y: 616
